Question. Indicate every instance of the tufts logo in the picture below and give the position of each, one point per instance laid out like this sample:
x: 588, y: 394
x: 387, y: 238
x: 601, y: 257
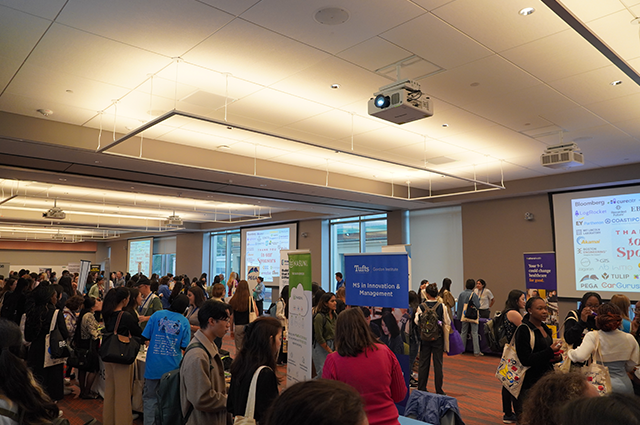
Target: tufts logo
x: 360, y: 269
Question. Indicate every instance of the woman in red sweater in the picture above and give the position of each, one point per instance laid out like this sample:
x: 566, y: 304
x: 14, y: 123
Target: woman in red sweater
x: 368, y: 366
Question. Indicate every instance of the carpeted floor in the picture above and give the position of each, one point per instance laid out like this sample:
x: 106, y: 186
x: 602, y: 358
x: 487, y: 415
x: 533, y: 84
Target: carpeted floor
x: 467, y: 378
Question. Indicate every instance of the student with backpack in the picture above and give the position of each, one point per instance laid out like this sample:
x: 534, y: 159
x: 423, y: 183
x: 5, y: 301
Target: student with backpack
x: 470, y: 300
x: 431, y: 318
x: 203, y: 394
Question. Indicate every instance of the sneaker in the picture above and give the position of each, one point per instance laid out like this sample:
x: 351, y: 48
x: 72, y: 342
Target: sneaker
x: 509, y: 419
x: 479, y: 354
x: 413, y: 383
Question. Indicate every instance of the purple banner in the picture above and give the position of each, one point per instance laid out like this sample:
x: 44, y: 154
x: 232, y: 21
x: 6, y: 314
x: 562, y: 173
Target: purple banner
x: 540, y: 271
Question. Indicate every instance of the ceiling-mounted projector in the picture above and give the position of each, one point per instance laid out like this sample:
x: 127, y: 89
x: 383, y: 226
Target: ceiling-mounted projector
x: 173, y: 221
x: 400, y: 103
x: 55, y: 213
x: 562, y: 156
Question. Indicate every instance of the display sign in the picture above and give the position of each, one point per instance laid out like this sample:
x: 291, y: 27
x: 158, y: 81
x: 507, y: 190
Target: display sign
x: 540, y: 270
x: 252, y: 277
x: 299, y: 345
x: 380, y: 279
x: 284, y: 268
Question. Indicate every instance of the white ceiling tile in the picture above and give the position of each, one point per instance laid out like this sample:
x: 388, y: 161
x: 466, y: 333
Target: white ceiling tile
x: 51, y: 86
x: 457, y: 121
x: 386, y: 138
x: 594, y: 86
x: 337, y: 124
x: 431, y: 38
x: 295, y: 19
x: 43, y: 9
x: 618, y: 33
x: 619, y: 109
x: 8, y: 68
x: 27, y: 106
x: 588, y: 10
x: 492, y: 76
x: 431, y: 4
x: 21, y: 32
x: 374, y: 53
x: 139, y: 24
x: 557, y: 56
x: 573, y: 118
x: 523, y: 108
x: 631, y: 127
x: 315, y: 82
x: 67, y: 50
x: 235, y: 7
x: 253, y: 53
x: 497, y: 24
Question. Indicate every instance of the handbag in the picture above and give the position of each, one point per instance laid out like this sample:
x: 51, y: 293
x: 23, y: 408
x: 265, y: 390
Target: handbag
x: 248, y: 419
x: 55, y: 347
x: 117, y: 348
x: 137, y: 403
x: 456, y: 345
x: 253, y: 314
x: 597, y: 374
x: 510, y: 370
x: 470, y: 312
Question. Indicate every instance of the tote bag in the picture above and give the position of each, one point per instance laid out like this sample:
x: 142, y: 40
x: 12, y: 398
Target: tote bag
x: 55, y: 347
x: 470, y: 312
x: 249, y: 411
x: 597, y: 374
x: 253, y: 314
x: 511, y: 371
x: 456, y: 346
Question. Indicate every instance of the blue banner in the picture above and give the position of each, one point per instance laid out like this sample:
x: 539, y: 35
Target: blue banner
x: 540, y: 271
x: 380, y: 280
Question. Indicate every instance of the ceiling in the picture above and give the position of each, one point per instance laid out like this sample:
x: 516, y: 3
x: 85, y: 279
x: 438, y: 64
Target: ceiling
x: 270, y: 127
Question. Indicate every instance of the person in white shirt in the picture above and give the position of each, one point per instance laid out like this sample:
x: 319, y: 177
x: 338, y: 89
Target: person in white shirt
x: 619, y: 350
x: 486, y: 298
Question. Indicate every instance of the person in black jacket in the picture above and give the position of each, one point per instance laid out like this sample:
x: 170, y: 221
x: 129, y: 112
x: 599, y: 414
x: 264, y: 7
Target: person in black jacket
x: 40, y: 311
x: 542, y: 355
x: 579, y: 322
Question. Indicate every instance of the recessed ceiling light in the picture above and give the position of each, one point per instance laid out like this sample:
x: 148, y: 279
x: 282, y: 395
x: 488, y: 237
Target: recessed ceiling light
x: 616, y: 83
x: 70, y: 91
x: 445, y: 125
x: 224, y: 147
x: 635, y: 21
x: 263, y: 185
x: 527, y: 11
x: 476, y: 84
x: 335, y: 86
x: 45, y: 112
x: 63, y: 180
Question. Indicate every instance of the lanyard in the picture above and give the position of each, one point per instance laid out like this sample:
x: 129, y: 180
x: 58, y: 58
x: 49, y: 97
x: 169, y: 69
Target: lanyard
x: 144, y: 304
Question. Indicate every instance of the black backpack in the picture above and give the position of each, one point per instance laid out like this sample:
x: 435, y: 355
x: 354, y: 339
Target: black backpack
x: 495, y: 332
x: 169, y: 409
x: 272, y: 309
x: 471, y: 312
x: 430, y: 324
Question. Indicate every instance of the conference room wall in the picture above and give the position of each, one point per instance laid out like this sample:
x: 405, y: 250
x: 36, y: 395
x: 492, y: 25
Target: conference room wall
x: 495, y: 237
x: 33, y: 260
x: 189, y: 254
x: 436, y: 247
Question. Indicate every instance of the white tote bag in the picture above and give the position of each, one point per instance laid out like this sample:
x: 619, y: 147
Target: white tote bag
x: 249, y: 411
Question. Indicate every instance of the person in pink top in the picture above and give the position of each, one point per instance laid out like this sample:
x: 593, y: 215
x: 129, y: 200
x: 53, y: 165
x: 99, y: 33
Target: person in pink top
x: 368, y: 366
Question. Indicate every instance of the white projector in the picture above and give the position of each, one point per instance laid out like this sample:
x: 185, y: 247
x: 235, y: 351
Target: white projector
x: 55, y: 213
x: 400, y: 103
x: 173, y: 221
x: 562, y: 156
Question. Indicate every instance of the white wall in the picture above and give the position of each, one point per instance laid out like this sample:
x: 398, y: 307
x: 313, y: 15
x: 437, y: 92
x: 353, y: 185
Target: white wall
x: 436, y: 247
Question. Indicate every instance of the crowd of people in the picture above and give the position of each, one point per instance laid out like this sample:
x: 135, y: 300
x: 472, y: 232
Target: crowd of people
x: 181, y: 322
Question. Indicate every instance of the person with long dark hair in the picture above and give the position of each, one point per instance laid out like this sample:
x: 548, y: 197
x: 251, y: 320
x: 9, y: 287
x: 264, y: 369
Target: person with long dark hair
x: 241, y: 302
x: 282, y: 314
x: 118, y: 377
x: 324, y: 326
x: 368, y: 366
x: 196, y: 299
x: 541, y: 356
x: 86, y: 340
x: 260, y: 348
x: 40, y: 313
x: 579, y: 322
x: 446, y: 297
x: 20, y: 394
x: 619, y: 350
x: 513, y: 318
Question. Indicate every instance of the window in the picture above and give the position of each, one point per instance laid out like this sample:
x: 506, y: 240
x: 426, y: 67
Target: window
x: 225, y: 253
x: 356, y: 235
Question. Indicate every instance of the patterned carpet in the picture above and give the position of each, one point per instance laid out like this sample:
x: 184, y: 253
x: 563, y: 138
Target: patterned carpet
x: 467, y: 378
